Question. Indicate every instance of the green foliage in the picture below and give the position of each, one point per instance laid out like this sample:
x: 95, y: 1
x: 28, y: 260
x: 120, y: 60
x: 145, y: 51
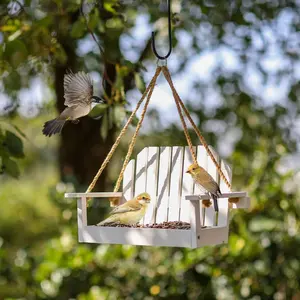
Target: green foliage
x: 11, y: 146
x: 40, y: 257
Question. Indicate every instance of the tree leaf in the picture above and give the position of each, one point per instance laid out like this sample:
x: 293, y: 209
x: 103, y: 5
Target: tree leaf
x: 14, y: 144
x: 139, y: 82
x: 104, y: 127
x: 119, y: 114
x: 19, y: 130
x: 78, y: 29
x: 15, y: 52
x: 10, y: 167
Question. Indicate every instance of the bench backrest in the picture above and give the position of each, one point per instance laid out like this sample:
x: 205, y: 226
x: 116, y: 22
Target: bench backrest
x: 160, y: 171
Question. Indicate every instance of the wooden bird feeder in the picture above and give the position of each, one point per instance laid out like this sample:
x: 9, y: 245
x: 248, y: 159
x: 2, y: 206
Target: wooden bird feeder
x: 160, y: 171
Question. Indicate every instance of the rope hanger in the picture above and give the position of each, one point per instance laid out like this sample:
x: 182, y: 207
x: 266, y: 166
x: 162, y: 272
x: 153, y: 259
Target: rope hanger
x: 180, y: 108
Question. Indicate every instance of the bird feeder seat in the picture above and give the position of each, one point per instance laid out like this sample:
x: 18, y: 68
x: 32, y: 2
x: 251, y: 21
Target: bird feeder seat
x: 160, y: 171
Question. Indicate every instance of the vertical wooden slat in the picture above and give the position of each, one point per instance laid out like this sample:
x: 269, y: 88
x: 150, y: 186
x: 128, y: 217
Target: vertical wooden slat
x: 163, y: 184
x: 141, y: 172
x: 175, y: 183
x: 151, y: 185
x: 128, y: 180
x: 195, y: 222
x: 211, y: 169
x: 187, y: 186
x: 202, y: 161
x: 223, y: 204
x: 81, y: 217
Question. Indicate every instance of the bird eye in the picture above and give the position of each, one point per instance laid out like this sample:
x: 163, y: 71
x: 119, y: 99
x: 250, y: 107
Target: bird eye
x: 143, y: 198
x: 194, y: 169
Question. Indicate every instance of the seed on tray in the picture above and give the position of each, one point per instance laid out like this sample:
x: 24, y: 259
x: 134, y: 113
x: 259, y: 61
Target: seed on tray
x: 164, y: 225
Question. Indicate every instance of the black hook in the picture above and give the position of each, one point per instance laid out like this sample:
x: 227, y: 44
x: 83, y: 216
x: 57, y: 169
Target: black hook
x: 170, y: 36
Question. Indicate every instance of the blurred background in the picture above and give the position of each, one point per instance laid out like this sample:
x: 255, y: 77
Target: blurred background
x: 235, y: 64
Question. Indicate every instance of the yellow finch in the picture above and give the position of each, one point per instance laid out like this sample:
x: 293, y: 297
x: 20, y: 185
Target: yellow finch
x: 204, y: 179
x: 78, y: 94
x: 129, y: 213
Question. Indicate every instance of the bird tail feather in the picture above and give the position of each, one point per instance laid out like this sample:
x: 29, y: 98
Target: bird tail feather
x: 53, y: 127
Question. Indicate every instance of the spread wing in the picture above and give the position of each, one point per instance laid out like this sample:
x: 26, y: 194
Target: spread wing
x: 78, y: 89
x: 126, y: 207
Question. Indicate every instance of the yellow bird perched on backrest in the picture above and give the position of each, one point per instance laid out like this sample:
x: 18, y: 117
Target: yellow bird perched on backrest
x: 206, y: 181
x: 129, y: 213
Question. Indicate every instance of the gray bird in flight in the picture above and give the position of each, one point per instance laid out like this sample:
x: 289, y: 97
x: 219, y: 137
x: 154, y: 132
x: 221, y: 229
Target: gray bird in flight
x: 78, y: 94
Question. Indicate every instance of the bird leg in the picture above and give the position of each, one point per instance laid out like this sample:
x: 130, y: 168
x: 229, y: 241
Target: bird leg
x: 76, y: 121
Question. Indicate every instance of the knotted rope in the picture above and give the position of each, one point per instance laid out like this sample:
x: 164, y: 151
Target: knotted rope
x: 115, y: 145
x: 176, y: 98
x: 180, y: 106
x: 199, y: 134
x: 132, y: 143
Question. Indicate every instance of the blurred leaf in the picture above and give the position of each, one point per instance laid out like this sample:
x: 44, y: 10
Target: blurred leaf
x: 8, y: 28
x: 10, y: 167
x: 93, y: 19
x: 104, y: 127
x: 260, y: 224
x: 78, y: 29
x: 14, y: 144
x: 15, y: 52
x: 119, y: 114
x: 139, y: 82
x: 19, y: 130
x: 110, y: 7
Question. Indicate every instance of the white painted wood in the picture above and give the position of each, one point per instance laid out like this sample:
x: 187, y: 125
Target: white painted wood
x: 211, y: 236
x: 223, y: 196
x: 128, y: 180
x: 151, y: 186
x: 169, y: 186
x: 81, y: 217
x: 187, y: 186
x: 211, y: 169
x: 152, y: 236
x: 175, y: 183
x: 141, y: 172
x: 244, y: 202
x: 223, y: 205
x: 195, y: 221
x: 136, y: 236
x: 163, y: 184
x: 94, y: 195
x: 202, y: 161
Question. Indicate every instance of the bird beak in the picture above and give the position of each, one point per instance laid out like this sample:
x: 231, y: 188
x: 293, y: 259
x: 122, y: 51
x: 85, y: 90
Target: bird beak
x: 187, y: 171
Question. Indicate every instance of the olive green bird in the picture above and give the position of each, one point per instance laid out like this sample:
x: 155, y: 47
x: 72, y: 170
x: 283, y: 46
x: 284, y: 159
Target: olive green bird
x: 205, y: 181
x: 78, y: 94
x: 129, y: 213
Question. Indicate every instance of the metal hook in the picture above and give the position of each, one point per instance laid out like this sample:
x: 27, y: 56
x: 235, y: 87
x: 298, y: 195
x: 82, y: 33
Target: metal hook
x: 170, y: 36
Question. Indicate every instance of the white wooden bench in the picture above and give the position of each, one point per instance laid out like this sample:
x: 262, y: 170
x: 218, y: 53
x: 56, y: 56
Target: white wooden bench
x: 160, y: 171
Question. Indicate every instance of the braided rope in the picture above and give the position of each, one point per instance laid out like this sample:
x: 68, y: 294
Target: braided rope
x: 186, y: 133
x: 115, y: 145
x: 132, y: 143
x: 199, y: 134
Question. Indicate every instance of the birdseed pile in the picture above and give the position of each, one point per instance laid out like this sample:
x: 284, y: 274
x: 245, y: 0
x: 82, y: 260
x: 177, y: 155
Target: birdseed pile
x: 164, y: 225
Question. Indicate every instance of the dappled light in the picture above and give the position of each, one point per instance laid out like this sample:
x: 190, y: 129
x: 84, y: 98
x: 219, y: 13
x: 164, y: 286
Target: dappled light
x: 235, y: 66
